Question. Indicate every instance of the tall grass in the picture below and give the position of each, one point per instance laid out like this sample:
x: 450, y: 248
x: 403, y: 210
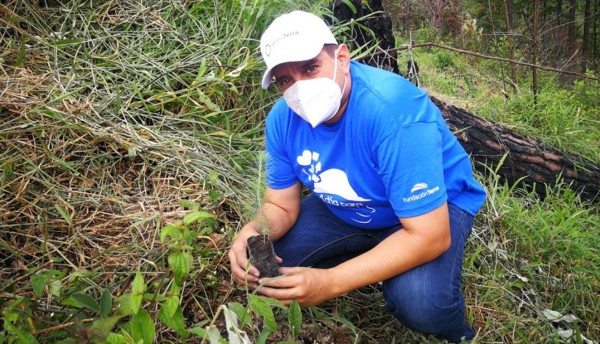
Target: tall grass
x: 118, y: 118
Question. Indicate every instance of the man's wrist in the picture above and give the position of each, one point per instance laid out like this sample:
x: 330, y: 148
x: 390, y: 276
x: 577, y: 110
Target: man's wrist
x: 336, y: 281
x: 250, y: 229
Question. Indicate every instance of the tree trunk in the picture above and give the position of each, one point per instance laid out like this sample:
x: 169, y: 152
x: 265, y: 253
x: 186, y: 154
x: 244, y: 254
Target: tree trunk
x: 380, y: 25
x: 437, y: 9
x: 558, y: 11
x: 586, y: 35
x: 527, y: 160
x: 407, y: 11
x: 508, y: 8
x: 572, y: 39
x: 534, y: 48
x: 544, y: 14
x: 595, y: 31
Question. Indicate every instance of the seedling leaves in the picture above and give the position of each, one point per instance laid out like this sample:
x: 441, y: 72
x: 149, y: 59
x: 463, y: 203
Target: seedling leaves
x: 142, y: 327
x: 170, y: 231
x: 241, y: 313
x: 176, y: 322
x: 170, y: 306
x: 295, y: 317
x: 102, y: 327
x: 262, y: 308
x: 137, y: 294
x: 86, y: 301
x: 180, y: 263
x: 38, y: 283
x: 106, y: 303
x: 196, y: 216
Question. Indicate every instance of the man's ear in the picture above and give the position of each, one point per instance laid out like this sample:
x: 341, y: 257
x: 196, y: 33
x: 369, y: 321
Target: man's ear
x: 344, y: 57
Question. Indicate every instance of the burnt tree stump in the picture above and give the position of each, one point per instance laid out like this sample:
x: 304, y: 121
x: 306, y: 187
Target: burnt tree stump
x: 378, y: 27
x: 527, y: 161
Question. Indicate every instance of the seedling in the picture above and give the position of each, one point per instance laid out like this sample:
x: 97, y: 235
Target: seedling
x: 260, y: 249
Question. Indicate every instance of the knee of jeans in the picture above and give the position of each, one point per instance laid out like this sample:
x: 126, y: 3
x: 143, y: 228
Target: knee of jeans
x: 426, y: 311
x: 289, y: 255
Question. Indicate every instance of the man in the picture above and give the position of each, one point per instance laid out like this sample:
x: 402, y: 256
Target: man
x: 393, y: 192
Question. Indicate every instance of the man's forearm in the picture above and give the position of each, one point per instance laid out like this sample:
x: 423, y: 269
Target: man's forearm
x: 393, y: 256
x: 400, y: 252
x: 279, y: 210
x: 271, y: 220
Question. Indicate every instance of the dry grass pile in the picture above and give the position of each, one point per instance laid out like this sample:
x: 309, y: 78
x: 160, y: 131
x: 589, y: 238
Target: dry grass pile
x: 116, y: 119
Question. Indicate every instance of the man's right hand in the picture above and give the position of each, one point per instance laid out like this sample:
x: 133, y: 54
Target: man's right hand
x: 280, y: 209
x: 241, y: 268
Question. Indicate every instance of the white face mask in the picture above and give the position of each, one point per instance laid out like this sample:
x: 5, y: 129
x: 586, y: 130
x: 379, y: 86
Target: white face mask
x: 315, y: 100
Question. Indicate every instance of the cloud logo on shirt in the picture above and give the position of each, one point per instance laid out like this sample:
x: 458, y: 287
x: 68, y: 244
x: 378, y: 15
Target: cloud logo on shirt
x: 419, y: 186
x: 334, y: 182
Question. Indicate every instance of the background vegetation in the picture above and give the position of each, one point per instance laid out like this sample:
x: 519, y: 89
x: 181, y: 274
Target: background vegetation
x: 130, y: 140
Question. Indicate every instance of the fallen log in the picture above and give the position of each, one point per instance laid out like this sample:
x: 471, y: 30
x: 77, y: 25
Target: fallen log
x: 516, y: 158
x: 528, y: 161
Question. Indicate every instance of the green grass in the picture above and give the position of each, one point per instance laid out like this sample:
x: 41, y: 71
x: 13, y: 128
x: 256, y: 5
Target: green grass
x: 121, y: 120
x: 530, y: 255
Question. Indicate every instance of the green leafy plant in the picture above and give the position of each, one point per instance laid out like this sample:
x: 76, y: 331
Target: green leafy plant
x: 138, y: 304
x: 16, y: 319
x: 49, y: 281
x: 179, y: 237
x: 240, y: 321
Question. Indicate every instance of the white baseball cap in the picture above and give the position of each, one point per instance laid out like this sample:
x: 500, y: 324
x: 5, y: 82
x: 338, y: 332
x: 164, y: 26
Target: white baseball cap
x: 294, y: 36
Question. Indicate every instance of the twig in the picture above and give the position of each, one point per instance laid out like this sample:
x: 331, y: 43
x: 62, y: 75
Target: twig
x: 60, y: 327
x: 10, y: 14
x: 26, y: 275
x: 467, y: 52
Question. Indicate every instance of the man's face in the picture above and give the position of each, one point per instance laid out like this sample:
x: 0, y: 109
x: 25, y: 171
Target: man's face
x: 321, y: 66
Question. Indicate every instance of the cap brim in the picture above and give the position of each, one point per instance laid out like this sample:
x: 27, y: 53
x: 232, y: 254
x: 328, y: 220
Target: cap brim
x: 267, y: 78
x: 291, y: 54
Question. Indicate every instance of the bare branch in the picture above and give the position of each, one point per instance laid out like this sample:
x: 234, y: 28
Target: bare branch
x: 462, y: 51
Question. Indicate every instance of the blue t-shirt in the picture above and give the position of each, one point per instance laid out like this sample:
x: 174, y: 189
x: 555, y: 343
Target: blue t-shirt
x: 390, y: 156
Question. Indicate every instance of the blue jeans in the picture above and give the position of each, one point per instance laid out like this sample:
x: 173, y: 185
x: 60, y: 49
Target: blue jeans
x: 427, y: 298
